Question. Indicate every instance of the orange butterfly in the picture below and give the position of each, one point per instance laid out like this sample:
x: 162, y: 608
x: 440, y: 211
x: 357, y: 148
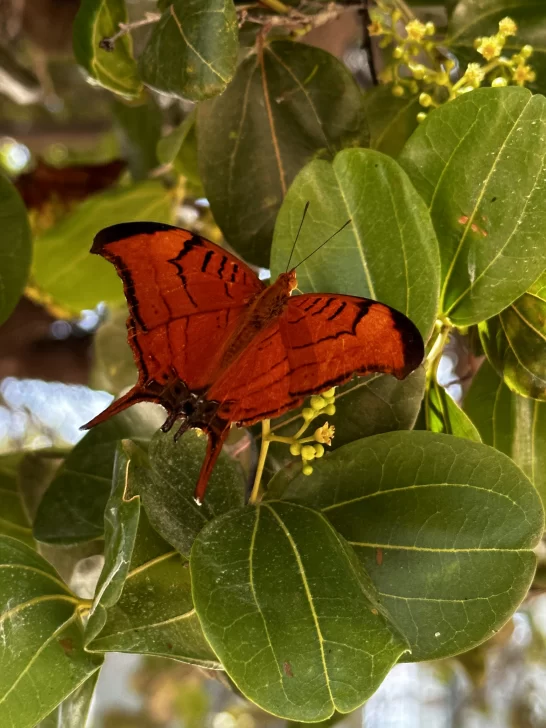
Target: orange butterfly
x: 215, y: 346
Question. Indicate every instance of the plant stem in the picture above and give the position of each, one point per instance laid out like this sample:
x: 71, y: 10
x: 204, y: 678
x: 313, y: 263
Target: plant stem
x: 435, y: 354
x: 108, y: 44
x: 261, y: 463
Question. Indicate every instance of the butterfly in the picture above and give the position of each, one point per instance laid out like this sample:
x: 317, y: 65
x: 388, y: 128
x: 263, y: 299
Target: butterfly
x: 215, y: 346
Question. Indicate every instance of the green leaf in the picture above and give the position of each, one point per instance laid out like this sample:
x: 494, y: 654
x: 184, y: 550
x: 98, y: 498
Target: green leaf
x: 475, y: 18
x: 444, y: 526
x: 113, y: 367
x: 391, y: 119
x: 478, y: 163
x: 515, y: 342
x: 285, y: 604
x: 74, y: 711
x: 167, y: 488
x: 42, y: 659
x: 281, y: 110
x: 514, y: 425
x: 179, y: 148
x: 72, y: 508
x: 116, y: 70
x: 141, y: 569
x: 192, y: 51
x: 14, y: 519
x: 62, y: 265
x: 364, y: 406
x: 15, y: 248
x: 443, y: 414
x: 389, y: 252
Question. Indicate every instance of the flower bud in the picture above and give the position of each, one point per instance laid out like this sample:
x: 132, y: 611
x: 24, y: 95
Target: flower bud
x: 430, y: 28
x: 527, y: 51
x: 317, y: 402
x: 295, y: 448
x: 319, y: 450
x: 425, y: 100
x: 308, y: 452
x: 330, y: 409
x: 398, y: 90
x: 307, y: 470
x: 421, y: 116
x: 307, y: 413
x: 398, y: 52
x: 499, y: 82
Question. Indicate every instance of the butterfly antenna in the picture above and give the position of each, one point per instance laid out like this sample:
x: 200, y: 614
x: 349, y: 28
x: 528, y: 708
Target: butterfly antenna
x: 323, y: 244
x: 297, y: 236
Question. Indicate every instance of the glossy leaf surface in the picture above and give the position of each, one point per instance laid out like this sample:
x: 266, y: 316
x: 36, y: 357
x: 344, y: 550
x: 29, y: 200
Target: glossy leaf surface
x: 391, y: 119
x: 74, y: 711
x: 479, y: 164
x: 142, y: 570
x: 116, y: 70
x: 293, y: 616
x: 192, y: 51
x: 512, y: 424
x: 444, y: 526
x: 72, y: 508
x: 14, y: 519
x: 443, y: 414
x: 42, y: 660
x: 515, y: 342
x: 282, y: 109
x: 167, y: 488
x: 389, y: 251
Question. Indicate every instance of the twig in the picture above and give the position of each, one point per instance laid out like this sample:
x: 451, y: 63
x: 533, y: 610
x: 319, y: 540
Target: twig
x: 109, y: 44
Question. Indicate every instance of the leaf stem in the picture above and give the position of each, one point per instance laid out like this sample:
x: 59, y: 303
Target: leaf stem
x: 261, y: 462
x: 276, y: 5
x: 108, y: 44
x: 444, y: 328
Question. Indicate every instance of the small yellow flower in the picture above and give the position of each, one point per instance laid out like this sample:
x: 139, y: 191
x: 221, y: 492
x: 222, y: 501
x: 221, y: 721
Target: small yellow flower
x: 490, y: 47
x: 375, y: 28
x: 474, y: 74
x: 522, y: 74
x: 308, y: 452
x: 416, y: 30
x: 324, y: 434
x: 507, y: 27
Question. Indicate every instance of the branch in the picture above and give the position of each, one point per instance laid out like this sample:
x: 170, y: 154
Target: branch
x: 109, y: 44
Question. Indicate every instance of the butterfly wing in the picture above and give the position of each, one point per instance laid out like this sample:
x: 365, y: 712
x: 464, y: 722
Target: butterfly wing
x: 185, y: 296
x: 319, y: 342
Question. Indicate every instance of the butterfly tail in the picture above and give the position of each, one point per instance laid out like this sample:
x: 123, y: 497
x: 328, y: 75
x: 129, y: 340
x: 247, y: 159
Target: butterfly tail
x: 132, y: 397
x: 215, y: 442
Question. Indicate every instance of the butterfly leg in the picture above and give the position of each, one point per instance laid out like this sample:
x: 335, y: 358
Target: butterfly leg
x: 216, y: 439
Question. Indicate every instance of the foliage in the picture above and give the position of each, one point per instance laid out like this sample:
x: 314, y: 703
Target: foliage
x: 386, y: 522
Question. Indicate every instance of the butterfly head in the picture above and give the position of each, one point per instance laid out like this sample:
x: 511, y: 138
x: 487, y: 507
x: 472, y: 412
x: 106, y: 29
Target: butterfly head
x: 288, y: 281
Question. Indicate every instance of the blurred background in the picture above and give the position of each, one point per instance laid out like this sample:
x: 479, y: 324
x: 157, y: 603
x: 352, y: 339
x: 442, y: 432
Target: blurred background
x: 48, y: 358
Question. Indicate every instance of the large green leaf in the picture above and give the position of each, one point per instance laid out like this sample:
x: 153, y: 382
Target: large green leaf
x: 192, y: 51
x: 444, y: 526
x: 475, y: 18
x: 72, y: 508
x: 479, y: 163
x: 282, y: 109
x: 62, y: 266
x: 14, y: 519
x: 389, y: 252
x: 168, y: 484
x: 391, y: 119
x: 74, y: 711
x: 139, y: 125
x: 143, y: 599
x: 515, y: 342
x: 15, y: 248
x: 514, y: 425
x: 293, y: 617
x: 42, y: 660
x: 442, y: 414
x: 179, y: 148
x: 116, y: 70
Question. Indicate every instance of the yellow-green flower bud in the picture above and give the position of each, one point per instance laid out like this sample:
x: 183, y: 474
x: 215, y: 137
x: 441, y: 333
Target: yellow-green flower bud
x: 307, y: 413
x: 295, y: 448
x: 329, y: 393
x: 507, y: 27
x: 477, y: 43
x: 425, y: 100
x: 307, y: 470
x: 330, y: 409
x: 417, y: 71
x: 308, y: 452
x: 398, y: 90
x: 317, y: 402
x: 527, y: 51
x: 413, y: 87
x: 396, y: 15
x: 421, y: 116
x: 319, y: 450
x: 499, y: 82
x: 430, y: 28
x: 398, y: 52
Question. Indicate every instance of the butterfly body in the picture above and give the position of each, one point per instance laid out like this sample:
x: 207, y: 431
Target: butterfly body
x: 215, y: 346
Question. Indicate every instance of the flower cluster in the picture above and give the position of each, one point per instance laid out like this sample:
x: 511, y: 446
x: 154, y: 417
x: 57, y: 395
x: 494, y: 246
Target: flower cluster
x: 421, y: 65
x: 310, y: 448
